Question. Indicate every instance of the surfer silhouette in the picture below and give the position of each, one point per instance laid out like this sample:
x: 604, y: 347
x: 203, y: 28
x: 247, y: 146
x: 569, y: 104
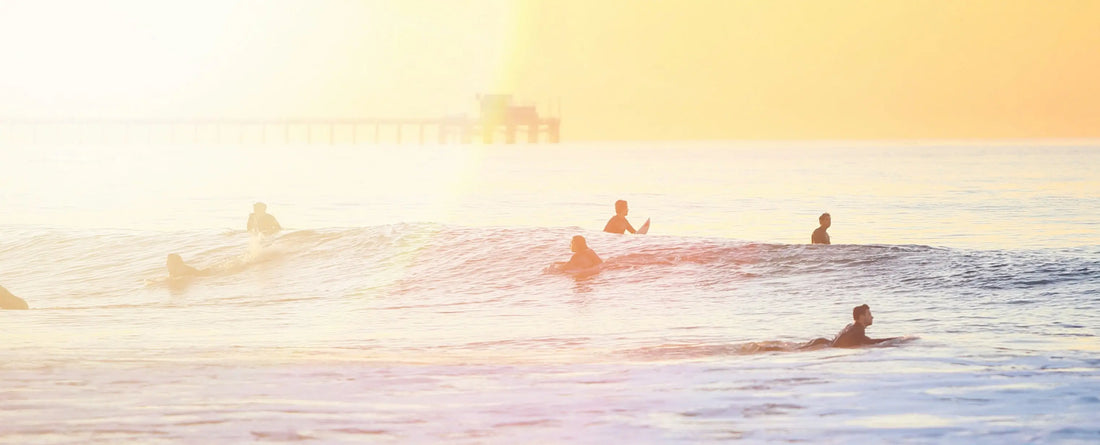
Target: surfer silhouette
x: 619, y: 224
x: 583, y: 256
x: 261, y: 222
x: 178, y: 269
x: 820, y: 236
x: 9, y: 301
x: 854, y: 335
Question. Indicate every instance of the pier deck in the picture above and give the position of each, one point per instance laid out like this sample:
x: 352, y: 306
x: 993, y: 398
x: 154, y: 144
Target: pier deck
x: 309, y: 131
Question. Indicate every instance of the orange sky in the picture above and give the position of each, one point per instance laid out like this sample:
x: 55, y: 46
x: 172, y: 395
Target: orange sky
x: 622, y: 69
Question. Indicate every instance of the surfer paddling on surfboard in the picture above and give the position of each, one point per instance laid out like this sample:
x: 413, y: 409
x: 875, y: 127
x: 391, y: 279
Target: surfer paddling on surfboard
x: 619, y: 224
x: 854, y: 335
x: 584, y: 258
x: 261, y: 222
x: 178, y: 269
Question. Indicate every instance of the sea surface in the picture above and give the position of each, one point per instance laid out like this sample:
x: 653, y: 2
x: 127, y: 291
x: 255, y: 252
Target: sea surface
x: 410, y: 298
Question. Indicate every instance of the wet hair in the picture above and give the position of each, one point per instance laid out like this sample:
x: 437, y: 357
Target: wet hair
x: 581, y: 244
x: 174, y: 259
x: 620, y: 204
x: 859, y: 310
x: 823, y: 217
x: 259, y: 205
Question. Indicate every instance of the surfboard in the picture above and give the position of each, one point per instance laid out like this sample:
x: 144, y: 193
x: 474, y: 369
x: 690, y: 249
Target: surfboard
x: 644, y: 229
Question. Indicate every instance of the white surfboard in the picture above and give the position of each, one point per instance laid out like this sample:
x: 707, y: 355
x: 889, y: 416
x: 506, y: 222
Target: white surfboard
x: 644, y: 229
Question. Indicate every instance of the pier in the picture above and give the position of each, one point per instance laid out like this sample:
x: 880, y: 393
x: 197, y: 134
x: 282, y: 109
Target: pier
x: 499, y: 121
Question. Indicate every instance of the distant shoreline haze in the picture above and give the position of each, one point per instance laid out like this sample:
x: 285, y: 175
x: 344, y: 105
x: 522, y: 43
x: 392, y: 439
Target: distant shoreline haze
x: 615, y: 69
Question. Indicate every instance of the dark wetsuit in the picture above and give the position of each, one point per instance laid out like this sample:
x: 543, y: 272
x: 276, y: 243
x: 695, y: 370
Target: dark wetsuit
x: 820, y: 236
x: 851, y: 336
x: 618, y: 224
x: 265, y: 224
x: 583, y: 260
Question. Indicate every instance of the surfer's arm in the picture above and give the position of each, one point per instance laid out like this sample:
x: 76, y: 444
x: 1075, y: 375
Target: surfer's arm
x: 618, y: 224
x: 571, y: 264
x: 626, y: 224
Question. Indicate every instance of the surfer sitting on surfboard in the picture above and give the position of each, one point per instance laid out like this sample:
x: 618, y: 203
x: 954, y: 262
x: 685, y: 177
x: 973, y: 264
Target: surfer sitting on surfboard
x: 583, y: 258
x: 619, y: 224
x: 259, y: 221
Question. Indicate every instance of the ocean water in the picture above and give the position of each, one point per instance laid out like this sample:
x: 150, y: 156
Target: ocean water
x: 410, y: 300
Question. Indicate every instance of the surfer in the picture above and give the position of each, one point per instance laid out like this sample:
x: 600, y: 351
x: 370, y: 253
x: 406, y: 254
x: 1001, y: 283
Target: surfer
x: 854, y: 335
x: 9, y: 301
x: 583, y: 256
x: 177, y: 268
x: 820, y: 236
x: 619, y: 224
x: 259, y: 221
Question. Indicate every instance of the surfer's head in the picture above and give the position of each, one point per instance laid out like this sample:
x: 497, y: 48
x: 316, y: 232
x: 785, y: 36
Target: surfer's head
x: 174, y: 260
x: 578, y: 244
x: 862, y: 315
x: 620, y: 207
x: 825, y: 220
x: 259, y: 207
x: 175, y: 265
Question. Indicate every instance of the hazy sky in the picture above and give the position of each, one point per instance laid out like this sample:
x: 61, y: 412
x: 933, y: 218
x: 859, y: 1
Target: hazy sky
x: 622, y: 69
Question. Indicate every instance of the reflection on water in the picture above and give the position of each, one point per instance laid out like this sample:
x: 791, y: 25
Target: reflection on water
x: 907, y: 421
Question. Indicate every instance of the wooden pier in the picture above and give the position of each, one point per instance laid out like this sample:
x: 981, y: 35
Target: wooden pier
x: 499, y: 122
